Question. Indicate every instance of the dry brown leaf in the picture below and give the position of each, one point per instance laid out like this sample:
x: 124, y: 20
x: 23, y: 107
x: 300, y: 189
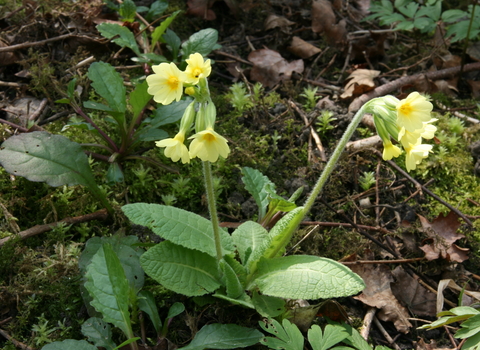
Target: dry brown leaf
x: 323, y: 16
x: 302, y: 49
x: 378, y: 293
x: 361, y: 81
x: 201, y: 8
x: 442, y: 233
x: 269, y: 67
x: 410, y: 292
x: 274, y: 21
x: 8, y: 57
x: 475, y: 86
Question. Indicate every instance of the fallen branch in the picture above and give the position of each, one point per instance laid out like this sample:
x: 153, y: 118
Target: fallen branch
x: 35, y: 230
x: 394, y: 85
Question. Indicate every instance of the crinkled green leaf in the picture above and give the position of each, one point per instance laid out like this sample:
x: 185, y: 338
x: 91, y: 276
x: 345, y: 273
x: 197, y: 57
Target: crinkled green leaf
x: 224, y: 336
x: 109, y: 288
x: 70, y: 344
x: 331, y: 335
x: 108, y: 83
x: 249, y: 240
x: 185, y: 271
x: 179, y: 226
x: 43, y: 157
x: 98, y: 332
x: 306, y: 277
x: 203, y: 42
x: 125, y: 36
x: 255, y: 183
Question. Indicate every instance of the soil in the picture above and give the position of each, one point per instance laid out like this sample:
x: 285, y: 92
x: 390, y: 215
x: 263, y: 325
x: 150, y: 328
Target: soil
x: 398, y: 221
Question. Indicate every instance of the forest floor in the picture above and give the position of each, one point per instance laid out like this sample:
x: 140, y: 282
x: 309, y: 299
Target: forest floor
x: 287, y: 77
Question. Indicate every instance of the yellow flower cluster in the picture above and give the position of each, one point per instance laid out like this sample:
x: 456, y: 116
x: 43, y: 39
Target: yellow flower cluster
x: 166, y: 85
x: 407, y: 121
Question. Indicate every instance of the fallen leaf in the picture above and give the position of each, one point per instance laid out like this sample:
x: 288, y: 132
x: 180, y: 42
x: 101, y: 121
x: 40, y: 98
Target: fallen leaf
x: 201, y: 8
x: 274, y: 21
x: 475, y: 86
x: 442, y: 233
x: 323, y: 16
x: 302, y: 49
x: 269, y: 67
x: 410, y: 292
x: 378, y: 293
x: 361, y: 81
x: 7, y: 57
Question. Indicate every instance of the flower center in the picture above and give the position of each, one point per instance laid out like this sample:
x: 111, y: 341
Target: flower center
x: 172, y: 82
x: 209, y: 137
x: 406, y: 109
x: 196, y: 72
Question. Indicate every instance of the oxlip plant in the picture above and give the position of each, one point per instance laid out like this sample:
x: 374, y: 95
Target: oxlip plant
x: 248, y: 267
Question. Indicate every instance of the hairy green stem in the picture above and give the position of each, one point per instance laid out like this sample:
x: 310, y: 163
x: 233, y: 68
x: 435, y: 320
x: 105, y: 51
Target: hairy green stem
x: 333, y: 160
x: 212, y: 207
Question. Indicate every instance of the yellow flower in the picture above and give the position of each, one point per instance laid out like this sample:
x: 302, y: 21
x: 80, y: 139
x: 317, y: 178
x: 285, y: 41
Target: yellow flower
x: 413, y: 111
x: 197, y: 68
x: 175, y: 149
x: 415, y: 154
x: 208, y: 145
x: 166, y: 84
x: 390, y: 151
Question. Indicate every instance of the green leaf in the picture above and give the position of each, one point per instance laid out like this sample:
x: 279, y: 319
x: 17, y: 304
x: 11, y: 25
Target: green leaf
x: 179, y: 226
x: 224, y: 336
x: 355, y: 339
x: 203, y: 42
x: 331, y: 335
x: 139, y: 98
x: 128, y: 10
x: 70, y: 344
x: 114, y: 174
x: 125, y: 36
x: 469, y: 328
x: 156, y: 10
x: 173, y: 41
x: 148, y: 133
x: 182, y: 270
x: 288, y: 336
x: 108, y: 286
x: 243, y: 300
x: 168, y: 114
x: 175, y: 310
x: 43, y: 157
x: 255, y: 183
x: 249, y: 240
x: 147, y: 303
x: 158, y: 32
x: 108, y: 83
x: 235, y: 276
x: 126, y: 251
x: 71, y: 89
x: 472, y: 343
x: 268, y: 306
x: 98, y: 332
x: 306, y: 277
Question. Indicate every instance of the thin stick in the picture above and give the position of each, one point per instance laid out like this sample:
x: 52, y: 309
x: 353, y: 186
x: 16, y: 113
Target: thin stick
x: 36, y: 43
x: 385, y: 334
x: 15, y: 342
x: 367, y: 322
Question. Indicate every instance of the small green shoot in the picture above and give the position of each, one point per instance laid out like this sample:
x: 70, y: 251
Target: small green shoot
x: 310, y: 93
x: 324, y: 123
x: 367, y: 180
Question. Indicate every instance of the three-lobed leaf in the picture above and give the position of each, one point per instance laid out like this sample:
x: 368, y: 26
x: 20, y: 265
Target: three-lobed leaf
x: 331, y: 335
x: 288, y: 336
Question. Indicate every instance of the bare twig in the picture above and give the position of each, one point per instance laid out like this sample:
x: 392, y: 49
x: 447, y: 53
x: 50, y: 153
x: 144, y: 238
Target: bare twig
x: 385, y: 334
x: 367, y: 322
x: 35, y: 230
x: 36, y: 43
x: 15, y: 342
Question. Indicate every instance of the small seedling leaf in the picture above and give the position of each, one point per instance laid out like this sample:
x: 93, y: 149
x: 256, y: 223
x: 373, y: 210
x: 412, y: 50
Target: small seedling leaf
x: 331, y: 335
x: 224, y: 336
x: 146, y: 303
x: 158, y: 32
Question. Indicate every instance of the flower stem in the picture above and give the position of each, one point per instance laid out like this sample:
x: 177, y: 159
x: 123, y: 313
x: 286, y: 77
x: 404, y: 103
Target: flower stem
x: 333, y: 159
x: 212, y: 207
